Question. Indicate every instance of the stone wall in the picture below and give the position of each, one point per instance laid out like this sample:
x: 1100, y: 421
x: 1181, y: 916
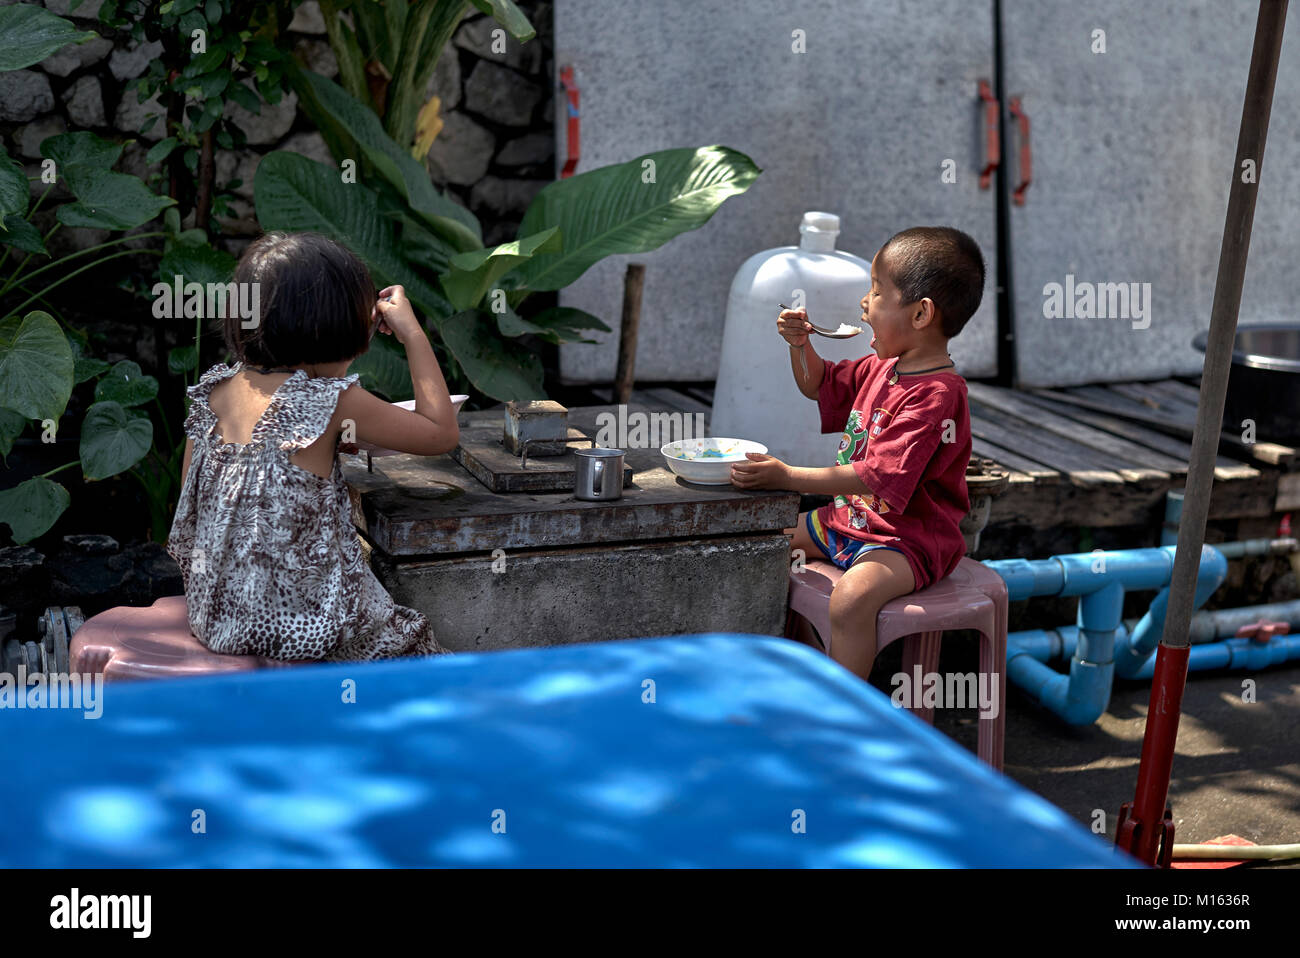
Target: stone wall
x: 494, y: 153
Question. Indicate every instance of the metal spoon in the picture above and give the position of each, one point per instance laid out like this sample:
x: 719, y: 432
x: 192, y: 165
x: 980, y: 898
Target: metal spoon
x: 845, y: 331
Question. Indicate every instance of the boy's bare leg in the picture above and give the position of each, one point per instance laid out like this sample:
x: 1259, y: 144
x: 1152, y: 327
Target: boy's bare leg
x: 877, y: 577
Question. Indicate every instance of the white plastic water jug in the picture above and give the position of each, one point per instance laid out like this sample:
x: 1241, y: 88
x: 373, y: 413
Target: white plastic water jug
x: 756, y: 396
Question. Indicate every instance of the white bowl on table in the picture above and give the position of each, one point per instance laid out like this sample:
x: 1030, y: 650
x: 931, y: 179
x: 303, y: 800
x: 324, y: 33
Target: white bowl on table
x: 708, y: 461
x: 457, y: 400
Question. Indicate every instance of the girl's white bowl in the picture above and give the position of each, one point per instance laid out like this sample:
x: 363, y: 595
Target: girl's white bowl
x: 457, y: 400
x: 708, y: 461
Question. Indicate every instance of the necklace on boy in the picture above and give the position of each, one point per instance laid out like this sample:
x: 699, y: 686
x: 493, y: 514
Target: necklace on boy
x: 893, y: 379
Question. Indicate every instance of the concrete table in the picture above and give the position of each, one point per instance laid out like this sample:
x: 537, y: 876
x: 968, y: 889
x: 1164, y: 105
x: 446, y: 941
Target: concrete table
x: 751, y: 752
x: 513, y: 570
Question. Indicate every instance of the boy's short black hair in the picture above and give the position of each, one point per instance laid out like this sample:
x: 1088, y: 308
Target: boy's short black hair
x: 942, y: 263
x: 315, y: 300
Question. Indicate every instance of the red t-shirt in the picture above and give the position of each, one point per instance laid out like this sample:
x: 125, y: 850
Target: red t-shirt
x: 910, y: 444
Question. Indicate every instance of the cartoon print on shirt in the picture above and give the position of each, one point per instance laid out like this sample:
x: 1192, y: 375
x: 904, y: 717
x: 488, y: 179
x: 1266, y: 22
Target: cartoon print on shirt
x: 853, y: 447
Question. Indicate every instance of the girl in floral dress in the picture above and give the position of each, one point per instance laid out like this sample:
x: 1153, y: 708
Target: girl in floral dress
x: 263, y: 531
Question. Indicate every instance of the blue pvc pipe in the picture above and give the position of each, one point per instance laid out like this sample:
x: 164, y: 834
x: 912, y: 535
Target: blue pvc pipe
x: 1101, y: 643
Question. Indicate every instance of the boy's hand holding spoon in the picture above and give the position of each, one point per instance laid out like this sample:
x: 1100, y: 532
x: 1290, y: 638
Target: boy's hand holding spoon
x: 794, y: 327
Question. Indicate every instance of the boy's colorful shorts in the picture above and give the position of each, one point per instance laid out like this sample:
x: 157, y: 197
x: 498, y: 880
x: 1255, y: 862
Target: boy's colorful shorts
x: 839, y: 549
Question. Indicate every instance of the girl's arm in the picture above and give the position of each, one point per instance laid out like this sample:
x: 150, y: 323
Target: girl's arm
x: 431, y: 429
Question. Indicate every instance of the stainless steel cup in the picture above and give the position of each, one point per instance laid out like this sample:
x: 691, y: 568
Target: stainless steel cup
x: 598, y: 474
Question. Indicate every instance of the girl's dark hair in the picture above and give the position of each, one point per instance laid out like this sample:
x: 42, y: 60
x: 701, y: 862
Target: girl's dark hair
x: 315, y: 299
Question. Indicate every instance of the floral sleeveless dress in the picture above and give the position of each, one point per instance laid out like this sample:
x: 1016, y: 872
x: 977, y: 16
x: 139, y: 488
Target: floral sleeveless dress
x: 271, y: 561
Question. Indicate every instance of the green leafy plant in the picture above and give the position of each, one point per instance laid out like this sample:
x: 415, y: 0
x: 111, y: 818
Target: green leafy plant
x: 471, y: 296
x: 42, y: 361
x: 212, y: 51
x: 387, y: 57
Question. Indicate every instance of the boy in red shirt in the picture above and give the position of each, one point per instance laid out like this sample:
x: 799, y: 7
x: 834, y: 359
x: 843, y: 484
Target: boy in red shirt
x: 900, y: 483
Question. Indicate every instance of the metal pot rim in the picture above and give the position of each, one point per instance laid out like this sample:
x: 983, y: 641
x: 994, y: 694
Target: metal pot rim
x: 1255, y: 360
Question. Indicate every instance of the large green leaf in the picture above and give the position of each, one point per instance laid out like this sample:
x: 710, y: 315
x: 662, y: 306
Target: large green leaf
x: 108, y: 200
x: 11, y: 426
x: 196, y: 264
x: 613, y: 210
x: 32, y: 507
x: 383, y: 369
x: 126, y: 384
x: 473, y: 274
x: 29, y: 34
x: 113, y: 440
x: 35, y: 366
x: 294, y: 193
x: 81, y: 148
x: 489, y: 363
x: 14, y: 191
x: 22, y: 235
x: 444, y: 217
x: 560, y: 324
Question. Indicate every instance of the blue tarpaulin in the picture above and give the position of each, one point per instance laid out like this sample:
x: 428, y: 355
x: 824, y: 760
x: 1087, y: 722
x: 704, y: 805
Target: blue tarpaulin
x: 709, y: 750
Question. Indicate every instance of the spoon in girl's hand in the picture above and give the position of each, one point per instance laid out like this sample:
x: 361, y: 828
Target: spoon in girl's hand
x: 845, y: 331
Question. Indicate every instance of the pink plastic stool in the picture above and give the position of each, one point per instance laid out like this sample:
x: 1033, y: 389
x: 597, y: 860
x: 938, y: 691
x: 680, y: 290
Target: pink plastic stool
x: 973, y: 597
x: 152, y: 642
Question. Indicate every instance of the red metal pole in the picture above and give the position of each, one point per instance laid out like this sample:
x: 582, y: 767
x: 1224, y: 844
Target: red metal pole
x: 1145, y: 826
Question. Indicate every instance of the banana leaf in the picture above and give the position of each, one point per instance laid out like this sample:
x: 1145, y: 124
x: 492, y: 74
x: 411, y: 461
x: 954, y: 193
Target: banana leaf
x: 614, y: 210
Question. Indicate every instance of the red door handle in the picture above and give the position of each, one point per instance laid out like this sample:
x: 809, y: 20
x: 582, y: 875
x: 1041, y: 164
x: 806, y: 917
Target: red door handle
x: 571, y: 105
x: 1025, y: 173
x: 992, y: 151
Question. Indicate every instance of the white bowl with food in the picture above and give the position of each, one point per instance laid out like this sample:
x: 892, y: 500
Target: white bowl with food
x: 457, y: 400
x: 708, y: 460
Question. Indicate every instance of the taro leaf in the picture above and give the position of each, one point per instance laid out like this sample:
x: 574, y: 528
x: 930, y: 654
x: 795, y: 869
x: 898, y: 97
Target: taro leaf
x: 29, y: 34
x: 36, y: 366
x: 11, y: 426
x: 383, y: 369
x: 31, y: 508
x: 127, y: 385
x: 81, y: 148
x: 613, y: 210
x: 107, y: 200
x: 473, y: 274
x: 85, y: 367
x: 182, y: 359
x: 113, y: 440
x: 491, y: 365
x: 560, y: 324
x: 14, y: 191
x: 196, y: 264
x: 22, y: 235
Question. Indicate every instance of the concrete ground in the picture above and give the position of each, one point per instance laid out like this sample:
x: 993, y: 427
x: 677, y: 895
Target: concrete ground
x: 1236, y: 766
